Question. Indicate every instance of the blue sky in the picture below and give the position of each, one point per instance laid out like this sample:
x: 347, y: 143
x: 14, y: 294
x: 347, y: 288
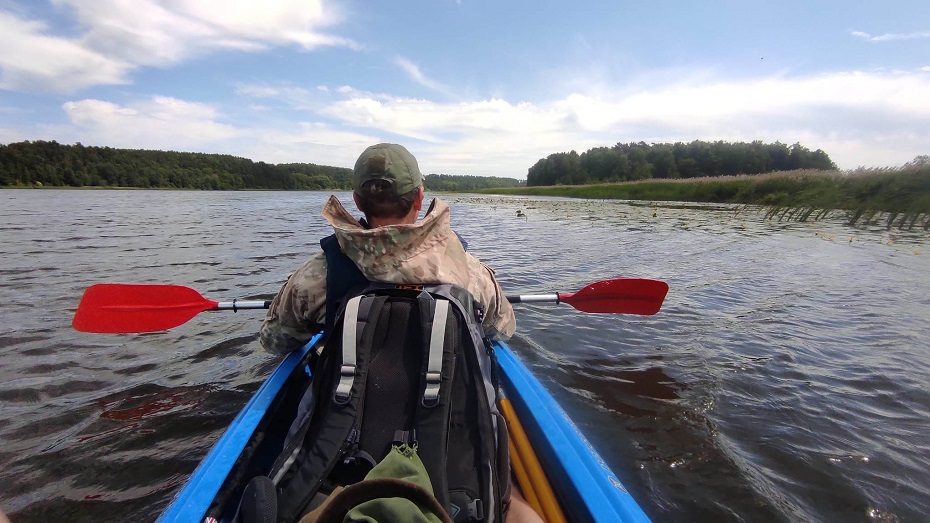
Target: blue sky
x: 484, y: 88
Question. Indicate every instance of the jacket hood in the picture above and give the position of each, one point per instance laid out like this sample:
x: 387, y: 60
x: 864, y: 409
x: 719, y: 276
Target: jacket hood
x: 381, y: 252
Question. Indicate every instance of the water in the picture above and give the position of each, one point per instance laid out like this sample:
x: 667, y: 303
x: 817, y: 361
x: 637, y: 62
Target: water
x: 786, y: 378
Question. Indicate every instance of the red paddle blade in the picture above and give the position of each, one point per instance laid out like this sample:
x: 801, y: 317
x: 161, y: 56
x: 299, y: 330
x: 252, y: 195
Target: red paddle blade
x: 620, y: 295
x: 132, y: 307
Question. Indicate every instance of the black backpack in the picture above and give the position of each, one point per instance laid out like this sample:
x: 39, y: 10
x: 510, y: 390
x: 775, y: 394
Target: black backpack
x: 403, y: 365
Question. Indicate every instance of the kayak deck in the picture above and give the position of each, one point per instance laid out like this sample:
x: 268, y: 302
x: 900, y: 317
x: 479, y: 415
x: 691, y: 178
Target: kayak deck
x: 585, y: 487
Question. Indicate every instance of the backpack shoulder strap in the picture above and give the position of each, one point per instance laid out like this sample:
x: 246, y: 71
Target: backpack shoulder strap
x: 437, y: 338
x: 342, y: 277
x: 350, y: 332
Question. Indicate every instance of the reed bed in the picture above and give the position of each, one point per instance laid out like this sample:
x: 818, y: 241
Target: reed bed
x: 897, y: 197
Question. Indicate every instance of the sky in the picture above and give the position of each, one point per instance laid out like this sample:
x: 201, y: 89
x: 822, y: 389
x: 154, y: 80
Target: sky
x: 481, y: 88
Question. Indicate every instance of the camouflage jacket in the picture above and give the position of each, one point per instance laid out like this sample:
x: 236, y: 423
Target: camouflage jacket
x: 424, y: 252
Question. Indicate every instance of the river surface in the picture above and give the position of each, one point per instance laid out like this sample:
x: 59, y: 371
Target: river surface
x: 787, y: 377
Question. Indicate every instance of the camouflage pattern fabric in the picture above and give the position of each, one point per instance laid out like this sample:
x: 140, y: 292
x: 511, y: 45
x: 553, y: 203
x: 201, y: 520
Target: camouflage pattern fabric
x: 426, y: 252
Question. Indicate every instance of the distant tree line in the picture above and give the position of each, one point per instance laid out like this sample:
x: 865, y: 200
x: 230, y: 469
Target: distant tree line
x: 51, y: 163
x: 54, y: 164
x: 640, y: 161
x: 467, y: 183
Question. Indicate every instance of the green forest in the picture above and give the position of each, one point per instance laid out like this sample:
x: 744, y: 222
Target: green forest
x: 467, y: 183
x: 48, y: 163
x: 641, y: 161
x: 51, y: 163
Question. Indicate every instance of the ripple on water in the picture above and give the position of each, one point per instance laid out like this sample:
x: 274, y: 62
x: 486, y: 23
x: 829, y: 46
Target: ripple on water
x: 785, y: 378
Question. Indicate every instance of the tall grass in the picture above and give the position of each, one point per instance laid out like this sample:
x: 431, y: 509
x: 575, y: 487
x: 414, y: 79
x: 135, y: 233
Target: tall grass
x: 898, y: 196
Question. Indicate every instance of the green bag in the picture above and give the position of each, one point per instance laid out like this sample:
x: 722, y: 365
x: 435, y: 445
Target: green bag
x: 397, y: 489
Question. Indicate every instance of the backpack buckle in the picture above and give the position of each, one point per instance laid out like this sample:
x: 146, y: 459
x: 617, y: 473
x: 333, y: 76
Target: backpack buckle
x: 431, y: 393
x: 344, y: 389
x: 476, y: 510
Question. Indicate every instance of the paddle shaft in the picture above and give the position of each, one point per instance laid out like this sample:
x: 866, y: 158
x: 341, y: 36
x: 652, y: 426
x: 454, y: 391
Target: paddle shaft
x: 237, y: 305
x: 534, y: 298
x: 256, y: 304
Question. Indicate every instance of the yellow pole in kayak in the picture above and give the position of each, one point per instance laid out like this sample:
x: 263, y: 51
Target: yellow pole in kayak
x: 523, y: 479
x: 534, y: 483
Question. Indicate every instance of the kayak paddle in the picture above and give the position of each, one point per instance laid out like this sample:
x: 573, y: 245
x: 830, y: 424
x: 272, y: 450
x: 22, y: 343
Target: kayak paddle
x: 141, y: 307
x: 618, y: 296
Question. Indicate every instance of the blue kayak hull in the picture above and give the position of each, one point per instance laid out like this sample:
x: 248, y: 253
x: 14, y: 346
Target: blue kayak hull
x: 587, y: 489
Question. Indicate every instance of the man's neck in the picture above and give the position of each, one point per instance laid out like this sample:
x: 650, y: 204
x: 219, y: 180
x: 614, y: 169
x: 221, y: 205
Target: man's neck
x: 409, y: 219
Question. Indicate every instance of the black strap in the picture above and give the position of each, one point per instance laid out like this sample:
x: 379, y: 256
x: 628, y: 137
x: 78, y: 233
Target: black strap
x: 405, y: 437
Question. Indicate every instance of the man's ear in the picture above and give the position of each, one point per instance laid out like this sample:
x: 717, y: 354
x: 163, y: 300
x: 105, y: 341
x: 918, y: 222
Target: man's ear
x: 418, y: 199
x: 357, y: 205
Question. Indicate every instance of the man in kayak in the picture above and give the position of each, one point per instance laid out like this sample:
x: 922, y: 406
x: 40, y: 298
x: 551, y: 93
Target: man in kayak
x: 388, y: 245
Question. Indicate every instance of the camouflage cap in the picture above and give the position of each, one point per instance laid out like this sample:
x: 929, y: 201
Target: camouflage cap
x: 390, y: 162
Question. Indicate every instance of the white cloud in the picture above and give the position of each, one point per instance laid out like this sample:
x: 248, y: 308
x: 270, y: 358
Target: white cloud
x: 413, y: 71
x: 31, y: 60
x: 714, y: 106
x: 294, y: 97
x: 843, y: 113
x: 161, y: 32
x: 413, y: 116
x: 889, y: 37
x: 308, y: 142
x: 158, y: 123
x: 172, y: 124
x: 117, y: 36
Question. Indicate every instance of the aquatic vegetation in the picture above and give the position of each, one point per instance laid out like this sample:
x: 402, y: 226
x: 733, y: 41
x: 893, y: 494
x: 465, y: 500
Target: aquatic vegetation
x: 897, y: 197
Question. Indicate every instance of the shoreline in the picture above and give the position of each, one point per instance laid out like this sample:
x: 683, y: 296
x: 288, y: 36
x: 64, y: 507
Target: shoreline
x: 903, y: 193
